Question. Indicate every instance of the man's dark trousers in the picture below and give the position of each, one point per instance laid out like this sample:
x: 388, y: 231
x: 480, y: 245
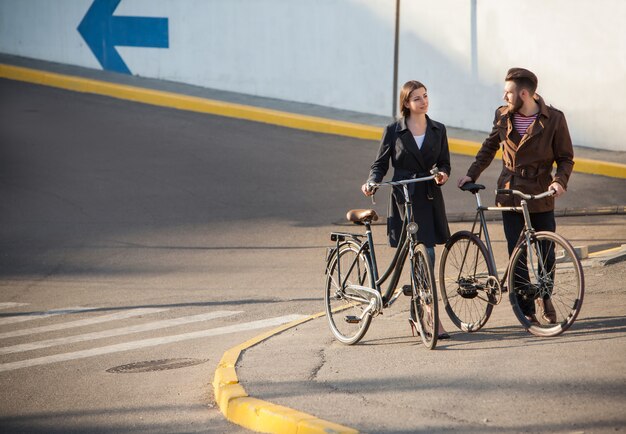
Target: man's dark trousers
x: 513, y: 223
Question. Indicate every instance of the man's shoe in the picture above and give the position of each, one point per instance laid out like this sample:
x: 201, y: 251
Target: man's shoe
x: 532, y: 319
x: 548, y: 313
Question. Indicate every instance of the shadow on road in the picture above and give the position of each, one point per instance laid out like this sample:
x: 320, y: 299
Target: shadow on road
x: 237, y: 302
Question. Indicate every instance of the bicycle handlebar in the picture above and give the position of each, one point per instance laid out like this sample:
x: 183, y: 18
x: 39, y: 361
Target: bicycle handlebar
x: 524, y: 195
x: 373, y: 185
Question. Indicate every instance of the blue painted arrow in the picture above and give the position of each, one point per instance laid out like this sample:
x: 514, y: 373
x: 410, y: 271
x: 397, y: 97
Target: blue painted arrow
x: 103, y: 32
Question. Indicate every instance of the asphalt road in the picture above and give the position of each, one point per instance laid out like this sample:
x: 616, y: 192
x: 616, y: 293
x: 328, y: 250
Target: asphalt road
x: 186, y: 234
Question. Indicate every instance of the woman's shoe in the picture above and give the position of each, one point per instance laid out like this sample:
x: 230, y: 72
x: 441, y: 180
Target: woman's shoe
x: 413, y: 327
x: 443, y: 335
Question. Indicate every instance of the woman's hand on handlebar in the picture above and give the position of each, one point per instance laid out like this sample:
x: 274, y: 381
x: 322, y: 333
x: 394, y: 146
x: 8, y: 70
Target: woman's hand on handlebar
x: 441, y: 178
x: 367, y: 191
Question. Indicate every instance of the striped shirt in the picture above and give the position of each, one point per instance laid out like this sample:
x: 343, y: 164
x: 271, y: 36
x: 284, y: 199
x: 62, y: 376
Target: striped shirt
x: 521, y: 122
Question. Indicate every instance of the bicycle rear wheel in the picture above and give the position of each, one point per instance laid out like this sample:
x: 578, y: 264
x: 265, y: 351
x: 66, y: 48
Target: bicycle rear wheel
x: 550, y: 274
x: 424, y: 309
x: 468, y: 282
x: 344, y: 311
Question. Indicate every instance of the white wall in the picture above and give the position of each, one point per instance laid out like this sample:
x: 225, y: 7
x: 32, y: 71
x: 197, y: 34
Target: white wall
x: 339, y: 53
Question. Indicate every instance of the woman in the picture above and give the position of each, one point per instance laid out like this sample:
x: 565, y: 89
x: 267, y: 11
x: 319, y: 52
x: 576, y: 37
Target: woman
x: 414, y: 144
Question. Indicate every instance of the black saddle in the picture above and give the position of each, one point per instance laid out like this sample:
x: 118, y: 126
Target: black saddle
x: 470, y: 186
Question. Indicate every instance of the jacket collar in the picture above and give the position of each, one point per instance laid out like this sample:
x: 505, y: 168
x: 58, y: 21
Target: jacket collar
x: 401, y: 124
x: 506, y: 120
x: 409, y: 142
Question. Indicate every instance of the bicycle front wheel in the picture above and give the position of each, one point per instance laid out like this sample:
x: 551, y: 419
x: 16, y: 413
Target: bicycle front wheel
x: 468, y: 282
x: 547, y: 276
x: 345, y: 309
x: 424, y: 300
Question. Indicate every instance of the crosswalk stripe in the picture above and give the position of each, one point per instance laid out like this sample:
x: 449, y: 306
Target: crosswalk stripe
x: 155, y: 325
x: 81, y: 322
x: 9, y: 305
x: 38, y: 315
x: 149, y: 342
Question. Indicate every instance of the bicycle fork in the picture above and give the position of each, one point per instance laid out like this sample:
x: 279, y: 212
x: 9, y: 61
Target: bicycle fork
x: 530, y: 231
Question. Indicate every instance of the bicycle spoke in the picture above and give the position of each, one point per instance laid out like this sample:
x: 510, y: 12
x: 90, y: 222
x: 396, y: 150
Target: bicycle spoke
x: 424, y: 302
x: 346, y: 314
x: 465, y: 276
x: 550, y: 273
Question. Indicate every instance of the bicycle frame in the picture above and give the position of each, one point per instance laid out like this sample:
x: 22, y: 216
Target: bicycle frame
x: 543, y: 275
x: 394, y: 271
x: 396, y: 266
x: 525, y: 236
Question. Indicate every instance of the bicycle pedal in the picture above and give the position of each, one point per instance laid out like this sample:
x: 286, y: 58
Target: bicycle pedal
x: 351, y: 319
x: 407, y: 290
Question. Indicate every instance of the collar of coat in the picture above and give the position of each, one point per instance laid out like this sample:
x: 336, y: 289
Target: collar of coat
x: 535, y: 129
x: 401, y: 126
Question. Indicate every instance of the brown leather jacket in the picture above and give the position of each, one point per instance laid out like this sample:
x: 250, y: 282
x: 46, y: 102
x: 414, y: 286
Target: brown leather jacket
x: 527, y: 161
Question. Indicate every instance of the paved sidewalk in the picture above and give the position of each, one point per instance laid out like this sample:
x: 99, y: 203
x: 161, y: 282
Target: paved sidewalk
x: 500, y: 379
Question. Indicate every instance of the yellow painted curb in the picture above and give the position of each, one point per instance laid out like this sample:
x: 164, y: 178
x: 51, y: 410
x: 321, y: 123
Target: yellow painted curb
x: 258, y: 415
x: 605, y: 252
x: 190, y: 103
x: 257, y: 114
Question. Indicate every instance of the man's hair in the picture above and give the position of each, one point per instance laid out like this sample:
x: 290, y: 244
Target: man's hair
x: 405, y: 92
x: 523, y: 79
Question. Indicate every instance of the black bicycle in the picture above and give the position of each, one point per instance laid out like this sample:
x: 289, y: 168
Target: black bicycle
x: 353, y: 293
x: 543, y: 269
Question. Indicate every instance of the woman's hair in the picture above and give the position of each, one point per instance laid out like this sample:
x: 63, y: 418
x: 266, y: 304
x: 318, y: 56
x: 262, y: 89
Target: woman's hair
x: 405, y: 92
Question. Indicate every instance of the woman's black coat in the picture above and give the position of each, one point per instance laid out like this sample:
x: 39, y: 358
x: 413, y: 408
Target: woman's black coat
x: 408, y: 161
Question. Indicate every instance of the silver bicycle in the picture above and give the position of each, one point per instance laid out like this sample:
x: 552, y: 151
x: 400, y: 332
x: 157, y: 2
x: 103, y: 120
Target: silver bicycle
x: 543, y: 269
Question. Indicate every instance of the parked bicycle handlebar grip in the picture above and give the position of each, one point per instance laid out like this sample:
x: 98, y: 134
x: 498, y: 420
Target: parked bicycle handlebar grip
x: 372, y: 187
x: 525, y: 196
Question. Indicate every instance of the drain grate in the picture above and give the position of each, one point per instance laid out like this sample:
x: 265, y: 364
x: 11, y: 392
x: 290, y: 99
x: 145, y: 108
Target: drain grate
x: 155, y: 365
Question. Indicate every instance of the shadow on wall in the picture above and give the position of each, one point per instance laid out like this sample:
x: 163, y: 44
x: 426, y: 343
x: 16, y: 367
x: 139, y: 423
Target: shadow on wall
x: 453, y: 80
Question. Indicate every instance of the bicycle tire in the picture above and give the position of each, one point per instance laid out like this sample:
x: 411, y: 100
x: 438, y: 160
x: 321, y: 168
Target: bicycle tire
x: 424, y: 306
x: 339, y: 309
x: 565, y: 288
x: 466, y: 279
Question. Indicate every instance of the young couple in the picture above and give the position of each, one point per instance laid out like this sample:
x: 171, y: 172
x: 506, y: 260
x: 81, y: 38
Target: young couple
x: 533, y: 136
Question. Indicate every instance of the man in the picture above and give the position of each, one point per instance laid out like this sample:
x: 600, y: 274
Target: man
x: 533, y: 137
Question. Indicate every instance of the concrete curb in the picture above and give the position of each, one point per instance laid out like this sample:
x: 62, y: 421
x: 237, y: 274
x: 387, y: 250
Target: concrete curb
x: 240, y: 111
x: 258, y: 415
x: 609, y: 256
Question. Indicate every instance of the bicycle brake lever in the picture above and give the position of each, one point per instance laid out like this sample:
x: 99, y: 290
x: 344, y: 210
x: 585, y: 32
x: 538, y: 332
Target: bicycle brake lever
x: 373, y: 189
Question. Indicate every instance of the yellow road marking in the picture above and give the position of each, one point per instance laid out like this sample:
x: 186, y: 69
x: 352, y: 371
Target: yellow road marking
x: 257, y: 114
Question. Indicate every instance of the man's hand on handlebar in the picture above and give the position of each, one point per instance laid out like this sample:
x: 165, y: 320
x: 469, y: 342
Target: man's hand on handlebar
x: 557, y: 188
